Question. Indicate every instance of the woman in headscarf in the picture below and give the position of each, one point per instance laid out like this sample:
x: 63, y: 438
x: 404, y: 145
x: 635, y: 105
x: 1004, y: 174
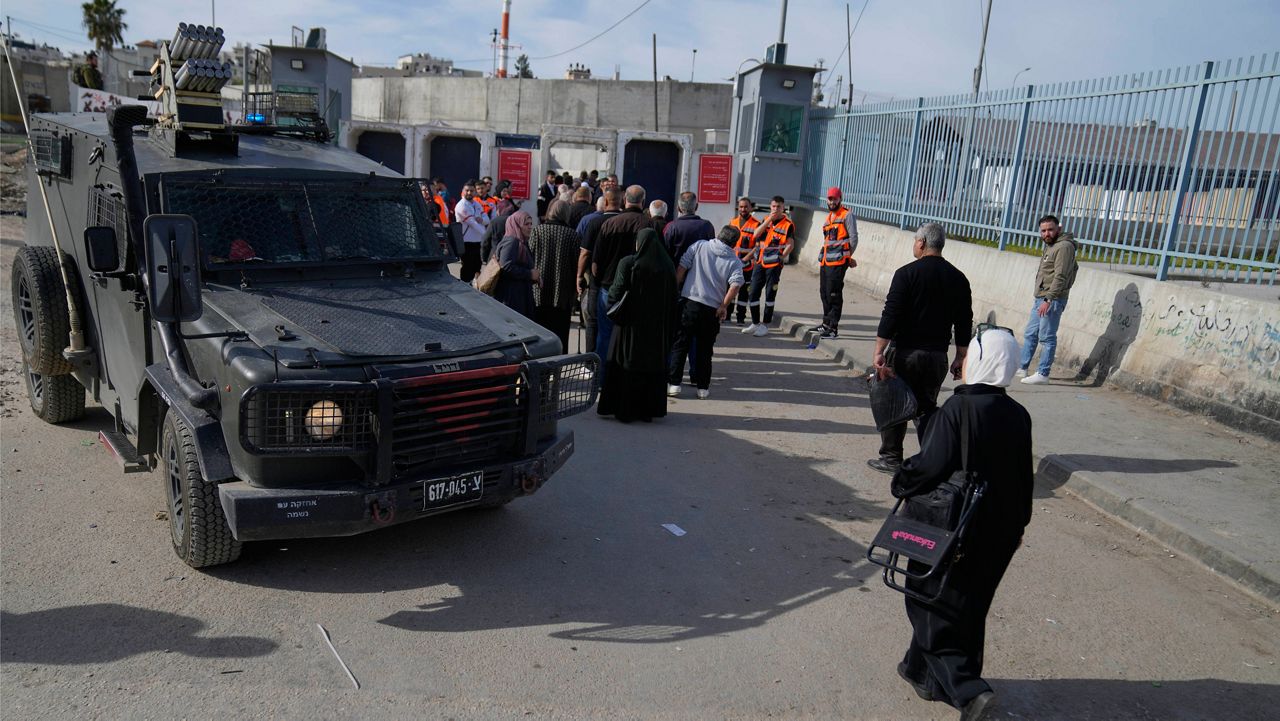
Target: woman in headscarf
x: 636, y: 377
x: 555, y: 256
x: 944, y: 659
x: 515, y: 283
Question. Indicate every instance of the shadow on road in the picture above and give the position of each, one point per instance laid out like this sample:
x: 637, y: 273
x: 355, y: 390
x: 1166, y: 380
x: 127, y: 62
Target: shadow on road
x: 103, y: 632
x: 588, y: 557
x: 1113, y: 699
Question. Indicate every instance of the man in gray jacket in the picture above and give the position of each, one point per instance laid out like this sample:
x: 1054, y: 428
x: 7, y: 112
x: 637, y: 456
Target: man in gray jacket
x: 1054, y: 278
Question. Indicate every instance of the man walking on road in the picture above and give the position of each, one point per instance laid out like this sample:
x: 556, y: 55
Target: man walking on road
x: 839, y: 241
x: 774, y: 240
x: 473, y: 219
x: 709, y: 276
x: 687, y: 229
x: 1056, y: 275
x: 745, y: 249
x: 928, y: 303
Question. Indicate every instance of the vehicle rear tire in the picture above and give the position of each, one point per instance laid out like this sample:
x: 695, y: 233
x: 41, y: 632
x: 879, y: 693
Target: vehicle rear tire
x: 40, y: 309
x: 197, y: 525
x: 54, y: 399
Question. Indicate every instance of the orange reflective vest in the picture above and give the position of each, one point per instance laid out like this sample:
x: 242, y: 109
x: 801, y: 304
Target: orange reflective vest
x: 486, y: 204
x: 444, y: 211
x: 773, y: 242
x: 836, y: 250
x: 746, y: 244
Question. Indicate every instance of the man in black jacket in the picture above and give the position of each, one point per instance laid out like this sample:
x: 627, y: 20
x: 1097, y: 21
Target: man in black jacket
x: 615, y: 241
x: 928, y: 302
x: 686, y: 229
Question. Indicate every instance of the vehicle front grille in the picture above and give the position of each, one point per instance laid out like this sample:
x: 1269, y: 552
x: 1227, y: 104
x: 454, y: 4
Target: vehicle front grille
x: 456, y: 418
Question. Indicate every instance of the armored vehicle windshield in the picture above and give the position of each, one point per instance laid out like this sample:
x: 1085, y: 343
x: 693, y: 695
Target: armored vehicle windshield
x: 244, y: 221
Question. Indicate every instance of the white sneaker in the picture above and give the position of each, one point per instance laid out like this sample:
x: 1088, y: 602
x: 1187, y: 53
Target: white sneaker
x: 673, y: 391
x: 750, y: 328
x: 703, y: 394
x: 1022, y: 373
x: 1035, y: 379
x: 761, y: 331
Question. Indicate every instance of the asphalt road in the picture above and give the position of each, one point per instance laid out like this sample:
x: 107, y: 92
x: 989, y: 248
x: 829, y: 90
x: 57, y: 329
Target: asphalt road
x: 577, y: 602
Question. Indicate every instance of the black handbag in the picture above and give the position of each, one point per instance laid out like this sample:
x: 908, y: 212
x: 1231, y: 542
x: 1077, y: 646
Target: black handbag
x: 892, y: 402
x: 619, y: 312
x: 921, y: 538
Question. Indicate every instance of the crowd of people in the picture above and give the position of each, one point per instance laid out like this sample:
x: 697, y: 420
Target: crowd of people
x: 652, y: 292
x: 653, y: 295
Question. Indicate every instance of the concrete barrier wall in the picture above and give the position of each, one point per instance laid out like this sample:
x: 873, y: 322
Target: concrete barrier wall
x: 1198, y: 349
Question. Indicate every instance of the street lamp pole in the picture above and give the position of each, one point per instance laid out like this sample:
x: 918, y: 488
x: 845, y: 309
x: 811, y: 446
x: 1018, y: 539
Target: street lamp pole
x: 1019, y: 73
x: 693, y: 64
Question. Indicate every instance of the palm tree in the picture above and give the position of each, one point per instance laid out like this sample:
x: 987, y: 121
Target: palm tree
x: 104, y: 23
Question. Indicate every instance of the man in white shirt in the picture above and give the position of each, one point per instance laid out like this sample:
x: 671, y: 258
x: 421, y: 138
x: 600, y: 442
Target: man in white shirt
x: 709, y: 276
x: 471, y: 216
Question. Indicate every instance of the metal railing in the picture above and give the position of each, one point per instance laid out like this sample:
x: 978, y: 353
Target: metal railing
x: 1171, y: 171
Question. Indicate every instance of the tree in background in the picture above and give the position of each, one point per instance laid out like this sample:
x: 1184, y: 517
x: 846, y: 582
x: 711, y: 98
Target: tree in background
x: 104, y: 23
x: 522, y: 66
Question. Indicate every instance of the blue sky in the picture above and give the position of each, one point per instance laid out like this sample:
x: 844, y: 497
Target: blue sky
x: 901, y: 48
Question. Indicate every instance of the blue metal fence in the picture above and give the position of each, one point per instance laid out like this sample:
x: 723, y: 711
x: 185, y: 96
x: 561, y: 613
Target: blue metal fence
x: 1171, y: 171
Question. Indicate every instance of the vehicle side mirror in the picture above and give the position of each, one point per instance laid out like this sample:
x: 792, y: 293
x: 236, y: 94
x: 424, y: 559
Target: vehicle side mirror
x: 173, y: 268
x: 100, y: 249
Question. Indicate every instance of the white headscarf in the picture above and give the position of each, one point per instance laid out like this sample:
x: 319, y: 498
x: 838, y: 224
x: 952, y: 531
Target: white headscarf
x: 992, y: 358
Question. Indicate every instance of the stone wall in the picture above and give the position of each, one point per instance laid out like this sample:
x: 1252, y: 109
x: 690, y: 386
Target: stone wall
x: 492, y: 104
x: 1201, y: 350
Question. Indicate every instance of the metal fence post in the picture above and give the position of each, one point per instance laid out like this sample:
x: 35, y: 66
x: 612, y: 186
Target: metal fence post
x: 844, y: 153
x: 1184, y: 174
x: 1015, y: 169
x: 911, y: 165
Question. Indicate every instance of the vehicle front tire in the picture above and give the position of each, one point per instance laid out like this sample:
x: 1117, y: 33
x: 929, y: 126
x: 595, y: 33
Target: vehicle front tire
x: 54, y: 399
x: 197, y: 525
x: 40, y: 309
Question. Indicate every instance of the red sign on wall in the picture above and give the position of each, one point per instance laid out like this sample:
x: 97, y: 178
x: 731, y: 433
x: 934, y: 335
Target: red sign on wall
x: 714, y: 171
x: 517, y: 166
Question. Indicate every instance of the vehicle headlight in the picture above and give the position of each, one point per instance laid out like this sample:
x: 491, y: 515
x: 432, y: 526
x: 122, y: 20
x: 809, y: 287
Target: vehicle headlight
x: 566, y: 384
x: 323, y: 420
x: 315, y: 417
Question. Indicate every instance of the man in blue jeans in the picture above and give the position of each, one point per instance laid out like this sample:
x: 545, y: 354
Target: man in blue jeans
x: 1054, y: 278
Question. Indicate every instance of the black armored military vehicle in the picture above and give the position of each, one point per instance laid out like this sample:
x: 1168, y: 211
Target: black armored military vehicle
x: 271, y: 323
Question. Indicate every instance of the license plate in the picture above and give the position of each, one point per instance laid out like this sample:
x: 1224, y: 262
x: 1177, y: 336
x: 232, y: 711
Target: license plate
x: 445, y: 492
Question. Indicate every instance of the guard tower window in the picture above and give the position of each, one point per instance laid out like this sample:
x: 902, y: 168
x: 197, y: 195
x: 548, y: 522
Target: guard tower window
x: 746, y: 127
x: 780, y: 128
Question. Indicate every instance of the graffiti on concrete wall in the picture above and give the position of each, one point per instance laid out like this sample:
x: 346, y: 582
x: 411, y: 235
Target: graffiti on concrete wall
x: 1250, y: 345
x: 1209, y: 330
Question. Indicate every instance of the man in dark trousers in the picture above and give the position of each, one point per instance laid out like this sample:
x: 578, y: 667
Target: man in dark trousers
x: 615, y: 241
x: 709, y: 276
x: 774, y: 240
x: 588, y: 283
x: 928, y: 303
x: 839, y: 241
x: 686, y: 229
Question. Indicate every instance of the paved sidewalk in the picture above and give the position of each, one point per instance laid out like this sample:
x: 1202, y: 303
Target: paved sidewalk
x: 1200, y: 488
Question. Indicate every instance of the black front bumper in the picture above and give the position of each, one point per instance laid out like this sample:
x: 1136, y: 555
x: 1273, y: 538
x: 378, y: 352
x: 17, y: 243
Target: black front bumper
x: 259, y: 514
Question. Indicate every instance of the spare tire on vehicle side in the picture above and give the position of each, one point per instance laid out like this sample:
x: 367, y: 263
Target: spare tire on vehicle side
x: 40, y: 310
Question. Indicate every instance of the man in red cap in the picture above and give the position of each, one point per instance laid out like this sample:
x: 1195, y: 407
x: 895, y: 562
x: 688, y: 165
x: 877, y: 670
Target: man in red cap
x: 839, y: 240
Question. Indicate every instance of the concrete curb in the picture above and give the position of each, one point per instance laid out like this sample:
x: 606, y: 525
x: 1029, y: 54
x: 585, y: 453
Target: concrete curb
x: 1136, y: 512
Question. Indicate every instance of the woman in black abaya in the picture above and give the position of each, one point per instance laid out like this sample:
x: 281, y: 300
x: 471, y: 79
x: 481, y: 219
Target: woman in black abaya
x: 635, y: 384
x: 944, y: 659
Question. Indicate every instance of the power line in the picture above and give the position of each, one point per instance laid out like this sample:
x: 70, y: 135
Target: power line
x: 596, y: 37
x: 848, y: 41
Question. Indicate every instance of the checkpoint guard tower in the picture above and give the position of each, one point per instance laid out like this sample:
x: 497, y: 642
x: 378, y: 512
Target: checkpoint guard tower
x: 769, y: 128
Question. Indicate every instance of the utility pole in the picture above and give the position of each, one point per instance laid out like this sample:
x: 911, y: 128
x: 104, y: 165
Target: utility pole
x: 849, y: 34
x: 982, y: 52
x: 693, y: 64
x: 655, y: 82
